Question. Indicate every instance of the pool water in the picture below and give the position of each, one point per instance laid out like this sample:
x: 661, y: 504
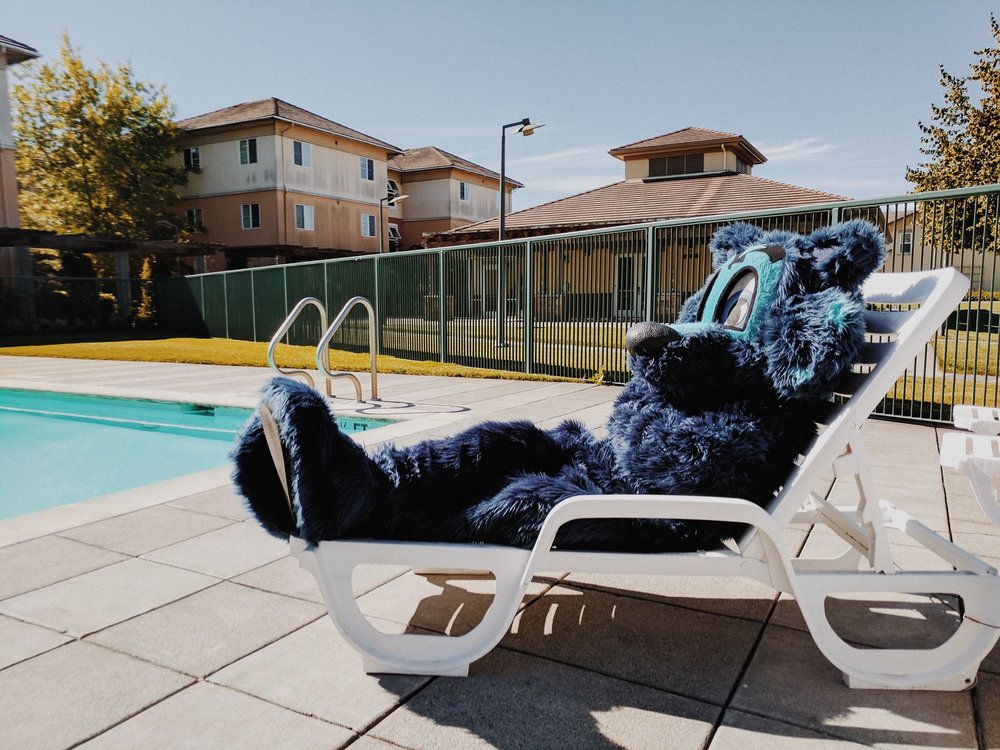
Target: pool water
x: 58, y: 448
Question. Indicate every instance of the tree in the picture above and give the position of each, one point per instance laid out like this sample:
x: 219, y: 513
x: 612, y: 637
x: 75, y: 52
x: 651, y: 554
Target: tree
x: 963, y: 143
x: 94, y: 150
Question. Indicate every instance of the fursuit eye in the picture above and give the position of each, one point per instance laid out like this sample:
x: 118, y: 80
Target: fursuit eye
x: 736, y: 305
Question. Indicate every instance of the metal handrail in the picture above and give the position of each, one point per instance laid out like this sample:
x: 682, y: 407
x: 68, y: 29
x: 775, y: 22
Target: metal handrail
x: 323, y: 362
x: 323, y: 353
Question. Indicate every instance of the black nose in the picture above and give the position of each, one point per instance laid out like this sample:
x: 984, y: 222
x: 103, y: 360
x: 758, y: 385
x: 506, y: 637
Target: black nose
x: 648, y: 338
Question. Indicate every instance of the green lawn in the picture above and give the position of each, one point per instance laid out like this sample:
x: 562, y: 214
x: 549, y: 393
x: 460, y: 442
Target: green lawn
x: 968, y: 352
x: 232, y: 352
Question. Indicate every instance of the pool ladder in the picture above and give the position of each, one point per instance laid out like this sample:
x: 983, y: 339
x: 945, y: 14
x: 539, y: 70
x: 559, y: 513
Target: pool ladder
x: 323, y: 347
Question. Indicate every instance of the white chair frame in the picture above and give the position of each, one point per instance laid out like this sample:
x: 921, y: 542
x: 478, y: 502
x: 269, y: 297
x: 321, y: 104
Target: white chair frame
x: 905, y: 310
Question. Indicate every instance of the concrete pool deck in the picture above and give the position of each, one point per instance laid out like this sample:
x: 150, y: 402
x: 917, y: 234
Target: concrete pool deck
x: 164, y: 617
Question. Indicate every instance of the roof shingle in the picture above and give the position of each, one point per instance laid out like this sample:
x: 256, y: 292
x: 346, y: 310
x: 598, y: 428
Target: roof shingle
x: 686, y: 138
x: 431, y: 157
x: 273, y: 108
x: 635, y: 201
x: 16, y: 51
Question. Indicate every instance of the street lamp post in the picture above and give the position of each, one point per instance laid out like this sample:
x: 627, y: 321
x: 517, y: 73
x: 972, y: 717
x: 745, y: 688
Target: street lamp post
x: 524, y: 127
x: 388, y: 200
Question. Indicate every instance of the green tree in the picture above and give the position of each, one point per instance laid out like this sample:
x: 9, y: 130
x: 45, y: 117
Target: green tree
x: 963, y: 145
x: 94, y: 150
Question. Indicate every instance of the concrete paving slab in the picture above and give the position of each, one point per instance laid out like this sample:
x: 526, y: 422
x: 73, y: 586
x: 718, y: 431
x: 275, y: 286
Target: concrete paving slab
x: 316, y: 672
x: 221, y: 501
x: 789, y: 680
x: 452, y: 604
x: 39, y: 562
x: 986, y: 695
x: 145, y: 530
x: 904, y: 457
x: 223, y: 553
x: 207, y: 716
x: 205, y: 631
x: 103, y: 597
x: 742, y: 731
x: 74, y: 692
x: 733, y: 597
x: 285, y: 577
x: 665, y: 647
x: 63, y: 517
x: 514, y: 701
x: 20, y: 641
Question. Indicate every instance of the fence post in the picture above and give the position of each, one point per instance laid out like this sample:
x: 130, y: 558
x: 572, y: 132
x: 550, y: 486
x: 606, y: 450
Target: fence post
x: 225, y: 301
x: 529, y: 294
x: 377, y: 304
x: 442, y: 310
x: 253, y: 304
x: 650, y: 271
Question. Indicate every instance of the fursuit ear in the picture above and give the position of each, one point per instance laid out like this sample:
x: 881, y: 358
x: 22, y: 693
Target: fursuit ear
x: 732, y: 240
x: 846, y: 254
x: 810, y: 340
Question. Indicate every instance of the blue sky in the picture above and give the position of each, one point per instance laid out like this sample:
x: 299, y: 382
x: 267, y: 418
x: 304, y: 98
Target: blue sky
x: 831, y: 92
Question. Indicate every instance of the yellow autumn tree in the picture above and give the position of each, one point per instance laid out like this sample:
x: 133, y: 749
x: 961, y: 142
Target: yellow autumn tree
x: 962, y: 142
x: 94, y: 149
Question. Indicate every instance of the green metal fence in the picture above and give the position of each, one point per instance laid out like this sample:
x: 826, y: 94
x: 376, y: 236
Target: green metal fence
x: 560, y: 304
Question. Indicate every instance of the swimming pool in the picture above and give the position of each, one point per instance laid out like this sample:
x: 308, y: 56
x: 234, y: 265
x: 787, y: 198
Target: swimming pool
x: 58, y: 448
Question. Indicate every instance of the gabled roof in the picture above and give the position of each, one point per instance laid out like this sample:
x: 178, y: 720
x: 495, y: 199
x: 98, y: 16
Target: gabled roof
x: 276, y: 109
x: 687, y: 138
x: 633, y: 201
x: 15, y: 51
x: 432, y: 157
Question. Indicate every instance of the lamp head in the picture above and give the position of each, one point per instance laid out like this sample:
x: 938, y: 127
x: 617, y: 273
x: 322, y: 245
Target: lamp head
x: 528, y: 128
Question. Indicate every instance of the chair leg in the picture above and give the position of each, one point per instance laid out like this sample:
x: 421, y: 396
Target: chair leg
x: 951, y: 665
x: 332, y: 564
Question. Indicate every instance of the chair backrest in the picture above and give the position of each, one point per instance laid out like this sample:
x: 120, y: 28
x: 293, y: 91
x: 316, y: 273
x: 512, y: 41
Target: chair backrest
x: 903, y: 311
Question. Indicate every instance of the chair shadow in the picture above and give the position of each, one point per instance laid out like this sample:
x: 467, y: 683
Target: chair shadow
x: 594, y: 666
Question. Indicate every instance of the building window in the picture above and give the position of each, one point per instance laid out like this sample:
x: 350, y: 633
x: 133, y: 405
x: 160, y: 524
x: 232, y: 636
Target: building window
x: 250, y: 215
x: 302, y: 153
x: 367, y: 225
x: 192, y: 158
x: 906, y: 243
x: 304, y: 217
x: 392, y: 189
x: 194, y: 220
x: 669, y: 166
x: 463, y: 191
x: 248, y: 151
x: 394, y: 232
x: 367, y: 168
x: 741, y: 166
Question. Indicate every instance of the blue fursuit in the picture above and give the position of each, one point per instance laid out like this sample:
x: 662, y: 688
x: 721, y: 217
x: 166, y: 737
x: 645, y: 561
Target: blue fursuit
x: 721, y: 402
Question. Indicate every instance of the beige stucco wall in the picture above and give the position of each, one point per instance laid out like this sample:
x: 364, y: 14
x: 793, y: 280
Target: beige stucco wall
x: 9, y: 213
x: 221, y: 171
x: 435, y: 194
x: 337, y: 222
x: 428, y: 198
x: 715, y: 161
x: 982, y: 268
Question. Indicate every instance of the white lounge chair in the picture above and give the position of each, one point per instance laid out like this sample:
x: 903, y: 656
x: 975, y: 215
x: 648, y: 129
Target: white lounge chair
x: 978, y: 457
x: 905, y: 311
x: 979, y: 419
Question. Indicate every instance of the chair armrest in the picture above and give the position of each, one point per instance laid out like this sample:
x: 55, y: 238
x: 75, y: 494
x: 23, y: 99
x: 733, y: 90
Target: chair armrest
x: 679, y: 507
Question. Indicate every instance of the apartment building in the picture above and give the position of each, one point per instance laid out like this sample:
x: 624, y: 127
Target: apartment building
x: 13, y: 260
x: 443, y: 192
x: 272, y: 182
